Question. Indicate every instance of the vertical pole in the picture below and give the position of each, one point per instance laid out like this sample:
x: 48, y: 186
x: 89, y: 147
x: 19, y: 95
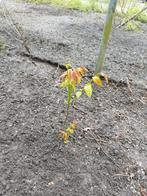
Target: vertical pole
x: 106, y: 35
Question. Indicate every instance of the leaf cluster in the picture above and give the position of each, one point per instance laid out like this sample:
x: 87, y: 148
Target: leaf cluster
x: 65, y: 134
x: 74, y: 81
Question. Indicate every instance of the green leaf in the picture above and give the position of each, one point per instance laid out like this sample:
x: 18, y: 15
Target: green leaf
x: 88, y: 89
x: 78, y: 94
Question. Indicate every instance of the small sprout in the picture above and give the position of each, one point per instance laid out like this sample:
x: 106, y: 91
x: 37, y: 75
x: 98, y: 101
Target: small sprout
x: 65, y: 134
x: 96, y: 79
x: 88, y: 89
x: 72, y: 80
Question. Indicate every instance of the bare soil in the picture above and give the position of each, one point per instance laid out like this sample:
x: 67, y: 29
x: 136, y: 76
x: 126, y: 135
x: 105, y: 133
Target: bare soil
x: 107, y: 156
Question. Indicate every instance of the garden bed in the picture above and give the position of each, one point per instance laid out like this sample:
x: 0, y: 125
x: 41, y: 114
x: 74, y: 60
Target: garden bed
x: 108, y: 153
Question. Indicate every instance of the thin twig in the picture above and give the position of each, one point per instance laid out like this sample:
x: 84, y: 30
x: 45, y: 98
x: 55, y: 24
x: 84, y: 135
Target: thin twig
x: 129, y: 87
x: 19, y: 31
x: 132, y: 18
x: 75, y: 107
x: 108, y: 156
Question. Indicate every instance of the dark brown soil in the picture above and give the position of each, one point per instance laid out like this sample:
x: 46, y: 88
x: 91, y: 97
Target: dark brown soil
x: 107, y: 156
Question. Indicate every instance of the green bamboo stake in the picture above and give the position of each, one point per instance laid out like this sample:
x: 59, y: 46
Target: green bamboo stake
x: 106, y: 35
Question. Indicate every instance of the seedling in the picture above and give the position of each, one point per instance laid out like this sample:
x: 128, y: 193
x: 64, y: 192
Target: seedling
x: 75, y: 83
x: 72, y: 79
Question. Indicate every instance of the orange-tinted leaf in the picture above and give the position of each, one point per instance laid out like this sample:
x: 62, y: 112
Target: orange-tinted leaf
x: 81, y: 71
x: 74, y: 76
x: 63, y: 76
x: 97, y: 81
x: 78, y: 76
x: 84, y: 69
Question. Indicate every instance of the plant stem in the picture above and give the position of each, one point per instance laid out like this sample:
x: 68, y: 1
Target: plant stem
x: 69, y: 95
x: 106, y: 35
x: 67, y: 113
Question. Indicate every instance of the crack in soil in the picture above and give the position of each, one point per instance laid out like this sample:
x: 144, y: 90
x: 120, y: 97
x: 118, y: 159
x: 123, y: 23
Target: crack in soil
x: 43, y: 60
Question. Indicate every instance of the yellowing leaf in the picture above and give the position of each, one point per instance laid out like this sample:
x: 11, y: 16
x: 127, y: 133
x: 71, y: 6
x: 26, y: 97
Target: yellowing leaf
x: 78, y: 94
x: 88, y: 89
x: 70, y: 131
x: 97, y: 81
x: 66, y: 136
